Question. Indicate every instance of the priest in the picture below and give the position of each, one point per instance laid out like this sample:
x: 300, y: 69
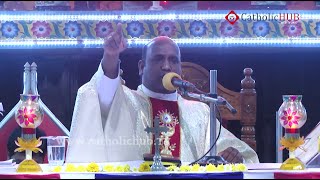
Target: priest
x: 109, y: 119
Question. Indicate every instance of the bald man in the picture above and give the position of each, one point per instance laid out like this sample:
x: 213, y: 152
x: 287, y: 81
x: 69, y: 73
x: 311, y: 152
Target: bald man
x: 109, y: 118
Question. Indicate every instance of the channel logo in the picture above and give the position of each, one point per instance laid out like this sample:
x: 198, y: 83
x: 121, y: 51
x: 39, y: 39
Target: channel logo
x: 232, y: 17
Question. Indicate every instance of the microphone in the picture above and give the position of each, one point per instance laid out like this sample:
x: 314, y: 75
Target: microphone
x: 229, y: 106
x: 172, y: 81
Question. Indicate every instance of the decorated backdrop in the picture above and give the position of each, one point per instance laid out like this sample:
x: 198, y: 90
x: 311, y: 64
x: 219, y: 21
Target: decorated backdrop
x: 200, y: 28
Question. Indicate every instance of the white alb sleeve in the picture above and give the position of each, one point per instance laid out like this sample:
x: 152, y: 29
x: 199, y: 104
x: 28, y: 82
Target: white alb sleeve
x: 106, y: 88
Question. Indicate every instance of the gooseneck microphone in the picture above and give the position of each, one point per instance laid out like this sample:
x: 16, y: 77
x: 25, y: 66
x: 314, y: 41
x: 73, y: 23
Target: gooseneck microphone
x: 172, y: 81
x: 228, y: 105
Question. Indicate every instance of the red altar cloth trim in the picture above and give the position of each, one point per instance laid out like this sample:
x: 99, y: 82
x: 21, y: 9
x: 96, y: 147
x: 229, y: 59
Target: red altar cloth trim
x: 302, y: 175
x: 29, y: 176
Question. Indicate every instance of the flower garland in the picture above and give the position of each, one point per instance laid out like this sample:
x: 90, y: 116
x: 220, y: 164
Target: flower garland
x: 145, y: 167
x: 209, y: 168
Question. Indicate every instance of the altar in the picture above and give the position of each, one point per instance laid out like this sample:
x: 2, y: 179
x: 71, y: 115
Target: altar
x: 255, y: 171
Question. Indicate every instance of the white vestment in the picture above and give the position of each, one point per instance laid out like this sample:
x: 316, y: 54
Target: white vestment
x: 110, y: 128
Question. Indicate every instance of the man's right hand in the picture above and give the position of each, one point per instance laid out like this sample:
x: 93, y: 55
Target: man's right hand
x: 114, y: 44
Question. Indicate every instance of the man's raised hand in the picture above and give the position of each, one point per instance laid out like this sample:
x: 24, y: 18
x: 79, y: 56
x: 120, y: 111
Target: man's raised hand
x: 113, y: 45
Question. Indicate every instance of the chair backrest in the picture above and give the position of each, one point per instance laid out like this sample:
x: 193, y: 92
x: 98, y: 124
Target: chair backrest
x: 244, y: 101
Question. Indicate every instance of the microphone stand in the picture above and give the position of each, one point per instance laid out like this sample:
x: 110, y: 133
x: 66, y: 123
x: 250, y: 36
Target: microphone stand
x: 212, y: 99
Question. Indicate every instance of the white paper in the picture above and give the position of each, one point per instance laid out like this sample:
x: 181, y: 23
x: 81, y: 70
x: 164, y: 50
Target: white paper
x: 8, y: 167
x: 7, y: 163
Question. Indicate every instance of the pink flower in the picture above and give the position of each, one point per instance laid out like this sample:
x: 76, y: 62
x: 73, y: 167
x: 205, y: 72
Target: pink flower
x: 41, y: 29
x: 290, y: 117
x: 103, y: 29
x: 26, y: 116
x: 166, y: 28
x: 228, y: 29
x: 292, y: 29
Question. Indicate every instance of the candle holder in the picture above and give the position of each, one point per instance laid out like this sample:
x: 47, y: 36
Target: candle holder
x: 292, y: 116
x: 29, y: 115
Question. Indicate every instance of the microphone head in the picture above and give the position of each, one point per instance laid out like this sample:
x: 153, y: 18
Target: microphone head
x: 167, y: 81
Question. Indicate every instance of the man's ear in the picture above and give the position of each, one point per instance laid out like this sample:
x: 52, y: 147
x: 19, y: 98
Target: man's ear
x: 141, y: 66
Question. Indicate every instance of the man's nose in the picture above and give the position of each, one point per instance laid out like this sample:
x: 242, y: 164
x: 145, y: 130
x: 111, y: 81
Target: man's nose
x: 166, y: 66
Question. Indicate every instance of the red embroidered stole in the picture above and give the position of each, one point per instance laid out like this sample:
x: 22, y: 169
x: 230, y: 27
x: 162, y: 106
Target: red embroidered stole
x: 168, y: 113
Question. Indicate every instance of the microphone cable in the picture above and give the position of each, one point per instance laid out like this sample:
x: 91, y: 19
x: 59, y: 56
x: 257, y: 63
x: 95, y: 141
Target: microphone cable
x: 219, y: 133
x: 215, y: 142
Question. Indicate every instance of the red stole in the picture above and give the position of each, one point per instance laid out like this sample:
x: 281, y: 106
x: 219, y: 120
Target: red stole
x: 168, y: 113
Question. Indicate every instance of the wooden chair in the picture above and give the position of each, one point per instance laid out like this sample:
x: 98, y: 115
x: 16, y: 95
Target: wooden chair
x: 244, y: 101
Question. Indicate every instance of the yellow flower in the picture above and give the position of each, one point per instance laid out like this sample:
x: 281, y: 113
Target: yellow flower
x: 234, y: 167
x: 126, y: 168
x: 172, y: 168
x: 81, y: 168
x: 185, y: 168
x: 93, y: 167
x: 211, y: 168
x: 195, y: 168
x: 241, y: 167
x: 119, y: 169
x: 144, y: 167
x: 57, y: 169
x: 108, y: 168
x: 71, y: 168
x: 32, y: 145
x: 291, y: 143
x: 220, y: 167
